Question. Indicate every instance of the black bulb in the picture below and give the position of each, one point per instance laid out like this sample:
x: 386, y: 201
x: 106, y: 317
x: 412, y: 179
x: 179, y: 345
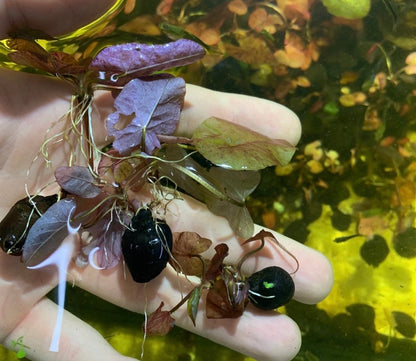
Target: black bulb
x: 270, y: 288
x: 146, y: 249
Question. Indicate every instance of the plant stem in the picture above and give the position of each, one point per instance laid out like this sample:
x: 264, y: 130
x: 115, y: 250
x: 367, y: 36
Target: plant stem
x: 182, y: 301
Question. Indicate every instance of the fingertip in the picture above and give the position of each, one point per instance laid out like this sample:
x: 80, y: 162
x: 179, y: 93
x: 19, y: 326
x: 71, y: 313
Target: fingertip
x: 315, y: 282
x: 279, y: 338
x: 261, y: 115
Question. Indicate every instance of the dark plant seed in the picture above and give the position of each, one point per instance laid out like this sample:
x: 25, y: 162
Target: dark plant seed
x: 270, y: 288
x: 146, y: 249
x: 15, y: 226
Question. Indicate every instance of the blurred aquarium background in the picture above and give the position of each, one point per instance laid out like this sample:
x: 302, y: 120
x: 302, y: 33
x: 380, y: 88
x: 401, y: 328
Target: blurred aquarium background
x: 348, y: 70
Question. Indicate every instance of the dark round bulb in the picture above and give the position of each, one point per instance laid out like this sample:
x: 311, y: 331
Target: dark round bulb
x: 146, y: 249
x: 270, y: 288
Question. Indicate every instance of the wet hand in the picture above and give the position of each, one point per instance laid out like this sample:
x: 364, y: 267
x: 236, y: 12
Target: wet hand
x: 28, y: 105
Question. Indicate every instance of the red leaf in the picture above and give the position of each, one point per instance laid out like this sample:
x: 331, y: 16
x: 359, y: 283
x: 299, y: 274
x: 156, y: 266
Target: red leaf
x: 190, y: 243
x: 215, y: 267
x: 259, y: 236
x: 159, y: 323
x: 66, y: 64
x: 186, y: 249
x: 29, y: 53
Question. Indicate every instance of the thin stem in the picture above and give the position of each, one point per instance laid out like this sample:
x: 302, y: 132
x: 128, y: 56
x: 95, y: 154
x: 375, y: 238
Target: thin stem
x: 182, y: 301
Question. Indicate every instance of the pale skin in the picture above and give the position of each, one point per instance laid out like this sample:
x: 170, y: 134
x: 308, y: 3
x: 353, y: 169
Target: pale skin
x: 28, y: 105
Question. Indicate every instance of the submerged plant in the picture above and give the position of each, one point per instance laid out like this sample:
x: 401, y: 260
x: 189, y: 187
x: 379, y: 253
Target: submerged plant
x: 218, y: 166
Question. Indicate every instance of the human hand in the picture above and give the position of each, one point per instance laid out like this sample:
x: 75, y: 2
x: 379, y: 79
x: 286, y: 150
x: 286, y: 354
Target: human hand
x: 28, y: 105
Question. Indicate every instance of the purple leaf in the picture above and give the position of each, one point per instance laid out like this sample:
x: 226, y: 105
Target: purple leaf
x: 139, y: 60
x: 149, y: 107
x: 107, y: 235
x: 48, y: 232
x: 78, y: 181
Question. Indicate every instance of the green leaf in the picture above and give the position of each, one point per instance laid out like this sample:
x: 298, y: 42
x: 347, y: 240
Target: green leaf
x: 238, y: 216
x: 193, y: 302
x: 349, y: 9
x: 223, y: 190
x: 21, y: 353
x: 233, y: 146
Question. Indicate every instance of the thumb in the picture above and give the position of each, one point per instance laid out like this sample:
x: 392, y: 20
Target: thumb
x: 53, y: 17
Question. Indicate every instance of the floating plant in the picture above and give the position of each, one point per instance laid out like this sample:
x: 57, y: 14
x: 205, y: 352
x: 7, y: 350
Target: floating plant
x: 219, y: 166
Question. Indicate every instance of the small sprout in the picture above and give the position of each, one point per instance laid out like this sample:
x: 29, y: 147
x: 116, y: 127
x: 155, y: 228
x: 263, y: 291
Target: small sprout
x: 20, y: 347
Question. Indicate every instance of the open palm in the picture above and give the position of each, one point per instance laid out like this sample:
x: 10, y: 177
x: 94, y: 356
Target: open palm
x: 28, y: 106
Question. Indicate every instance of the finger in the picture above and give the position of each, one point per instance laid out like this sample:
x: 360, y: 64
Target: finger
x: 79, y: 341
x: 21, y: 289
x: 52, y: 17
x: 264, y: 116
x: 245, y: 334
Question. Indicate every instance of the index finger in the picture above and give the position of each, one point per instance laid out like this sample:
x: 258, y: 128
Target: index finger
x: 264, y: 116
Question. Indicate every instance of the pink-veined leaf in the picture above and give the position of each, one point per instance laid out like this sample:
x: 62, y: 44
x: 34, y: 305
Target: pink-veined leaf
x: 138, y: 60
x: 78, y: 181
x: 48, y: 232
x: 152, y: 106
x: 233, y: 146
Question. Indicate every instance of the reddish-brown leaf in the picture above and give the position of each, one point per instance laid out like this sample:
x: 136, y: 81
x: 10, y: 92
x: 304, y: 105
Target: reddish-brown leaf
x: 66, y: 64
x: 29, y: 53
x: 186, y: 248
x: 215, y: 266
x: 238, y: 7
x: 259, y: 236
x: 159, y: 323
x: 257, y: 19
x: 190, y: 243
